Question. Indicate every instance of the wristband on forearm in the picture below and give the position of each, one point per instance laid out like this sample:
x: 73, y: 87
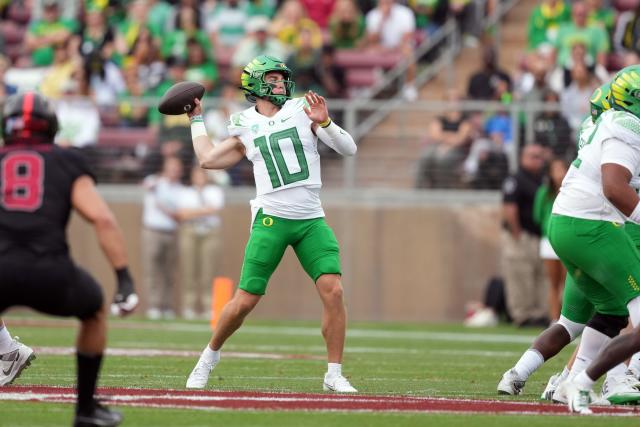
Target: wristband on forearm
x: 326, y: 123
x: 197, y: 126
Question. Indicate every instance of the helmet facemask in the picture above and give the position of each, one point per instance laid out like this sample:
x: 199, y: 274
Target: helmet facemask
x: 255, y: 86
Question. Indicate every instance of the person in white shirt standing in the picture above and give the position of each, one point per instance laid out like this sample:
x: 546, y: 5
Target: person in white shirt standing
x: 280, y: 136
x: 159, y: 237
x: 198, y: 212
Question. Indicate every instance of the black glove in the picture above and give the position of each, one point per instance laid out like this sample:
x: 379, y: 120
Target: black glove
x: 126, y: 300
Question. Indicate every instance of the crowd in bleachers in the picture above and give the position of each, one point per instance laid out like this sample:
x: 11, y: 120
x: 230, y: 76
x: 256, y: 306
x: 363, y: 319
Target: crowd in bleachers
x: 572, y: 49
x: 101, y: 57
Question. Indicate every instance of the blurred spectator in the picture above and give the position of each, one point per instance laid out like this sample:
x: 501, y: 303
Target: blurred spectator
x: 200, y: 67
x: 303, y: 62
x: 449, y: 137
x: 226, y: 23
x: 145, y: 57
x: 290, y: 20
x: 261, y: 7
x: 542, y: 206
x: 175, y: 130
x: 575, y: 98
x: 257, y: 42
x: 68, y: 8
x: 430, y: 14
x: 44, y: 33
x: 598, y: 14
x: 129, y: 29
x: 489, y: 83
x: 198, y: 208
x: 464, y: 12
x: 186, y: 28
x: 332, y: 76
x: 627, y: 34
x: 216, y: 119
x: 61, y: 71
x: 532, y: 83
x: 545, y: 21
x: 521, y: 265
x: 131, y: 113
x: 78, y: 117
x: 6, y: 88
x: 159, y: 17
x: 346, y: 25
x: 319, y: 10
x: 552, y: 131
x: 390, y: 28
x: 159, y: 238
x: 578, y: 31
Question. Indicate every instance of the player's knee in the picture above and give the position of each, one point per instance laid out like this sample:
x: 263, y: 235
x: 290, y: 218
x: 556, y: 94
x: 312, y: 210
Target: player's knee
x: 574, y: 329
x: 607, y: 324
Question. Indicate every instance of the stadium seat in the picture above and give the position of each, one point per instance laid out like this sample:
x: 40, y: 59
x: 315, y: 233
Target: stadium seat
x: 353, y: 58
x: 362, y: 77
x: 125, y: 137
x: 624, y: 5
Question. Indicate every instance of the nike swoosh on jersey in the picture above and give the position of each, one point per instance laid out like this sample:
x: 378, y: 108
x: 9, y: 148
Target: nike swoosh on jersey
x: 284, y: 120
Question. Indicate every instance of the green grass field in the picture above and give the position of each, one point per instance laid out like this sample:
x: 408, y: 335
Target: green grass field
x: 388, y: 359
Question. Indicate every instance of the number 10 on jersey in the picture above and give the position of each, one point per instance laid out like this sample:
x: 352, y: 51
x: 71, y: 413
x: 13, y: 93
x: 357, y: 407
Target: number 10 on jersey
x: 280, y: 162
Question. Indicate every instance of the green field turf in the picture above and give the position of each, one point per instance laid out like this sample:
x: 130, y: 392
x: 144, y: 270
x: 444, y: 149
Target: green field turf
x: 410, y: 360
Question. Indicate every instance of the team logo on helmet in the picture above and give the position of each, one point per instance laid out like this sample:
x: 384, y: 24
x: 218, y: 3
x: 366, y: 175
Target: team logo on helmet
x: 625, y: 90
x: 600, y: 101
x: 254, y: 86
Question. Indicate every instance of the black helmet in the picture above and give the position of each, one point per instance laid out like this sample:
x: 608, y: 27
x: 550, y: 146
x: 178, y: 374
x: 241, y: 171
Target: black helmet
x: 28, y: 118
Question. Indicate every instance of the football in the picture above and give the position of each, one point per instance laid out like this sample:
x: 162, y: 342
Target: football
x: 178, y: 99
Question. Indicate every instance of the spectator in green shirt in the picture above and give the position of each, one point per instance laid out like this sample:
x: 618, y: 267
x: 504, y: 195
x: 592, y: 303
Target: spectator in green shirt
x: 599, y: 15
x: 46, y: 32
x: 200, y: 67
x: 346, y: 25
x: 186, y: 27
x: 545, y: 20
x: 130, y: 28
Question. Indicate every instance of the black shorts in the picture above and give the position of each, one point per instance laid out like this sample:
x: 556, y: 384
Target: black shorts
x: 50, y: 284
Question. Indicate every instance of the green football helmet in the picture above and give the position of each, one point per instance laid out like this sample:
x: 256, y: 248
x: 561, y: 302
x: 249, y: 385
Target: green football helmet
x: 600, y: 101
x: 253, y: 84
x: 625, y: 90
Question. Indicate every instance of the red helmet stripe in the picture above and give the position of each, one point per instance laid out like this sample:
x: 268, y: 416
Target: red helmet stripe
x: 27, y: 110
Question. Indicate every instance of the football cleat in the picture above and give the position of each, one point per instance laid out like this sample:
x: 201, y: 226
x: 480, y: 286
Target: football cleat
x: 551, y: 387
x: 200, y: 374
x: 511, y: 383
x: 621, y: 390
x: 14, y: 362
x: 337, y: 383
x: 100, y: 416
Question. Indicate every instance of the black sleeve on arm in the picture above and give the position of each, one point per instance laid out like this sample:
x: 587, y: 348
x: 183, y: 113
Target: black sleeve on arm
x: 510, y: 190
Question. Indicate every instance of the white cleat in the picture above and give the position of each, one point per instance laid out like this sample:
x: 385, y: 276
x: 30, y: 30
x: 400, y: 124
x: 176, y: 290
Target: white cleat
x: 621, y: 390
x: 14, y: 362
x: 200, y: 374
x: 551, y: 387
x: 511, y: 383
x: 578, y: 399
x: 337, y: 383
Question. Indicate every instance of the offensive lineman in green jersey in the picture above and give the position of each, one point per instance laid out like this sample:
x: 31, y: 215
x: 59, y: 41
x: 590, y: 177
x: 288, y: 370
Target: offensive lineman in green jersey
x: 587, y: 230
x: 279, y: 136
x: 577, y: 311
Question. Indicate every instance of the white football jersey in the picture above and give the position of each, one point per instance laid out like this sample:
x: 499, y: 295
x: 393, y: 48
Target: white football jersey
x: 286, y: 163
x: 614, y: 138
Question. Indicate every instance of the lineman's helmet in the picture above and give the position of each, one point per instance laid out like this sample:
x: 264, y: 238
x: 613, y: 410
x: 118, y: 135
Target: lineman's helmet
x: 600, y: 101
x: 254, y: 86
x: 625, y: 90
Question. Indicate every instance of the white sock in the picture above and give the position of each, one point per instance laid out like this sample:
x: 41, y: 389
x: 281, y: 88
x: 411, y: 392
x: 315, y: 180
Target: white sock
x: 583, y: 381
x: 634, y: 364
x: 210, y: 356
x: 591, y: 344
x: 530, y: 361
x: 634, y: 311
x: 617, y: 371
x: 6, y: 342
x: 564, y: 374
x: 334, y: 369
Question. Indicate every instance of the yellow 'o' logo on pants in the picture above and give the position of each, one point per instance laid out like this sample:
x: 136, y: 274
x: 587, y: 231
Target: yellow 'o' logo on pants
x: 267, y: 221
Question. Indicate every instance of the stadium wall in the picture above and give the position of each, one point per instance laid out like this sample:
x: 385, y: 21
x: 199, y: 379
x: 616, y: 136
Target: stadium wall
x: 407, y: 256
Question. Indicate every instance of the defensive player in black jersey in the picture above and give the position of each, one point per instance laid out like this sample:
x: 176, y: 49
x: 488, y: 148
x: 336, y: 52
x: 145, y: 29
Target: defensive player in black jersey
x: 40, y: 183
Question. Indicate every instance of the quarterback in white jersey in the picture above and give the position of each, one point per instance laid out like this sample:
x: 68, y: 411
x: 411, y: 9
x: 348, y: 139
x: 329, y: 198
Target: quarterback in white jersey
x: 280, y: 136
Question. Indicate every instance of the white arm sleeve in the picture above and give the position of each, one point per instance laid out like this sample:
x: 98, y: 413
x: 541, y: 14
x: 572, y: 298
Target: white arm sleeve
x: 621, y: 153
x: 337, y: 138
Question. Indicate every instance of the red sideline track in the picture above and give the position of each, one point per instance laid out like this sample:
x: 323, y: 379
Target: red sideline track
x: 230, y: 400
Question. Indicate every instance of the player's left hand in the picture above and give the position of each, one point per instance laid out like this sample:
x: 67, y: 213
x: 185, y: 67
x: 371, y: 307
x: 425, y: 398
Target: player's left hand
x: 126, y: 300
x: 317, y: 110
